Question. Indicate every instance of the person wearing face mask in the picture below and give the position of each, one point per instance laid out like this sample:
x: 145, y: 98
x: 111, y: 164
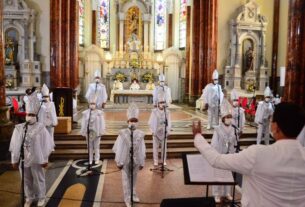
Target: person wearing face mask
x: 122, y: 149
x: 162, y: 88
x: 273, y: 175
x: 97, y: 128
x: 47, y: 113
x: 158, y: 119
x: 134, y: 85
x: 238, y: 113
x: 224, y: 142
x: 99, y: 90
x: 37, y: 147
x: 212, y: 97
x: 262, y: 117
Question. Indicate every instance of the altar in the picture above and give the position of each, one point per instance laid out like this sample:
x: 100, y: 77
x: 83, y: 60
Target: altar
x: 129, y: 96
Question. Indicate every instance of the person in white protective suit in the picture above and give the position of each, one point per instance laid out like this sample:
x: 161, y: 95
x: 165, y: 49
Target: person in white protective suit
x: 158, y: 119
x: 122, y: 149
x: 38, y: 145
x: 99, y: 90
x: 162, y: 88
x: 238, y: 112
x: 224, y: 141
x: 94, y: 130
x: 263, y: 117
x: 212, y: 97
x: 47, y: 112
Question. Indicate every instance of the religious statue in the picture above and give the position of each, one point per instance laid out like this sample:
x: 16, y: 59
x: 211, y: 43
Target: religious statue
x: 134, y: 44
x: 9, y: 52
x: 249, y: 59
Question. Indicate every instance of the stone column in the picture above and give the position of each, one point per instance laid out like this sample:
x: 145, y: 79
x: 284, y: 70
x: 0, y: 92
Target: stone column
x: 93, y: 27
x: 2, y: 75
x: 195, y: 52
x: 64, y: 43
x: 121, y: 32
x: 275, y: 39
x: 146, y: 20
x: 204, y: 45
x: 187, y: 53
x: 295, y: 69
x: 4, y: 113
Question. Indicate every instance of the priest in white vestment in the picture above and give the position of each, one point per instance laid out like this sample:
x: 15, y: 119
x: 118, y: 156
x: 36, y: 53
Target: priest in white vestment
x: 212, y: 97
x: 158, y: 119
x: 135, y: 85
x: 162, y: 88
x: 99, y: 90
x: 47, y: 112
x: 38, y: 145
x: 263, y: 117
x: 122, y: 149
x: 94, y: 130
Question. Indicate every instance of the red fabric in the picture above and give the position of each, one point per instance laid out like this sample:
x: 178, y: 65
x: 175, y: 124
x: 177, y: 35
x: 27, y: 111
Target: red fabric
x: 16, y: 108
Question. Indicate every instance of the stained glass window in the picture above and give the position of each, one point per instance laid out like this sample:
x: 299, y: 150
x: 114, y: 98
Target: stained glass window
x: 103, y: 22
x: 182, y: 23
x: 81, y: 21
x: 160, y: 24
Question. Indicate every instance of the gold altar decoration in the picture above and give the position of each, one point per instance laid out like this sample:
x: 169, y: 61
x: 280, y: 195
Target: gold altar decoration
x: 133, y: 24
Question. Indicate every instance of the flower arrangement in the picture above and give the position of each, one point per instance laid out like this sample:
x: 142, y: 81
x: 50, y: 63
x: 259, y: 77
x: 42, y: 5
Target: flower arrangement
x: 134, y: 63
x: 120, y: 77
x: 250, y: 86
x: 9, y: 83
x: 147, y: 77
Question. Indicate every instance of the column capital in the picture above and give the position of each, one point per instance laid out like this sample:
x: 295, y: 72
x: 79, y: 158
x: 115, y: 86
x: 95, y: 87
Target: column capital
x: 146, y: 18
x: 121, y: 16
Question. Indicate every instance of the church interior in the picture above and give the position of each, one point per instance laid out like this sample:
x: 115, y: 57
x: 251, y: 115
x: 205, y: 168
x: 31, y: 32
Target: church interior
x: 66, y: 49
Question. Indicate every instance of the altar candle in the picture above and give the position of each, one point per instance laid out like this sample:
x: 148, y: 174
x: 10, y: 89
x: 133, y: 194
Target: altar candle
x: 282, y: 76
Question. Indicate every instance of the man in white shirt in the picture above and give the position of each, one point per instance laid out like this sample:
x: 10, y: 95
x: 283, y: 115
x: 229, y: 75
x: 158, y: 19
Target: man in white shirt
x: 273, y: 175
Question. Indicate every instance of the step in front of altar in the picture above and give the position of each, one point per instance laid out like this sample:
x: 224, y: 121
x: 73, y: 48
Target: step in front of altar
x: 74, y: 146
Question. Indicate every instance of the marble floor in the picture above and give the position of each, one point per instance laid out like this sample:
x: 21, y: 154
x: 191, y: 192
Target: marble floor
x: 65, y: 188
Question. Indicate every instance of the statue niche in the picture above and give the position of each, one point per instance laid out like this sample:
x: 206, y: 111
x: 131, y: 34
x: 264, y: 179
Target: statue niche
x: 247, y: 67
x: 133, y: 24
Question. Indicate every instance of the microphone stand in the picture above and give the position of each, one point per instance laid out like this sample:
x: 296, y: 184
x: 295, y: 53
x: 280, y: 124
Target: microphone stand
x: 237, y: 149
x: 131, y: 152
x: 89, y: 170
x: 21, y: 159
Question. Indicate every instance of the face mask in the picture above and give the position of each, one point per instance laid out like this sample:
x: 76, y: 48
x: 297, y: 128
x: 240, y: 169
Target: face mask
x: 97, y: 80
x: 46, y: 99
x: 228, y: 121
x: 132, y: 125
x: 267, y: 99
x: 235, y: 103
x: 161, y: 83
x: 30, y: 119
x: 92, y: 106
x: 162, y: 105
x: 215, y: 82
